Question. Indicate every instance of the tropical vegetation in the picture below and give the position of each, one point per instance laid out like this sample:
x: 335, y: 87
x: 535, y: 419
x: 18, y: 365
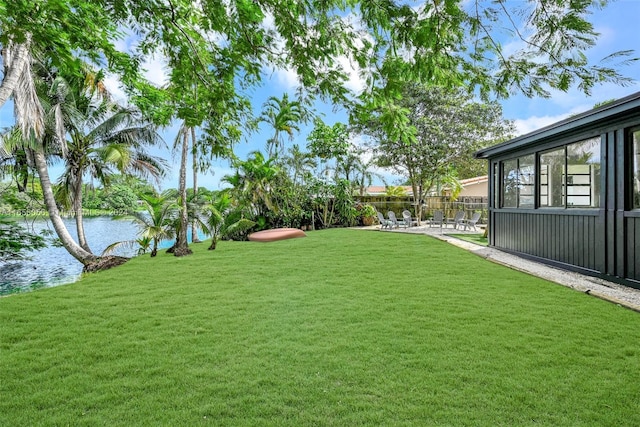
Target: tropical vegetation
x: 16, y: 242
x: 212, y: 65
x: 444, y: 127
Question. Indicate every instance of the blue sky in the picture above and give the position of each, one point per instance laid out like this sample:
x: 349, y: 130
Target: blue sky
x: 618, y: 28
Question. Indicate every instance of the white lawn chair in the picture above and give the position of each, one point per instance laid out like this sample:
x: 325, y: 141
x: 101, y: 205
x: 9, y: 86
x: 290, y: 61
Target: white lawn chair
x: 472, y: 221
x: 458, y: 219
x: 438, y: 219
x: 384, y: 223
x: 395, y: 222
x: 406, y: 215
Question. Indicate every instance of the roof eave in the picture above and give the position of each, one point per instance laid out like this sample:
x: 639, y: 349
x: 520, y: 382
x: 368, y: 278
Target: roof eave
x: 592, y: 116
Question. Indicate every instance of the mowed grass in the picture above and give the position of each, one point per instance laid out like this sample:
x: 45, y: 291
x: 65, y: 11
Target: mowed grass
x: 478, y: 239
x: 344, y: 327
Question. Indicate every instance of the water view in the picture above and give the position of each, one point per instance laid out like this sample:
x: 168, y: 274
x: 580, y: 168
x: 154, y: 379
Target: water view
x: 53, y: 266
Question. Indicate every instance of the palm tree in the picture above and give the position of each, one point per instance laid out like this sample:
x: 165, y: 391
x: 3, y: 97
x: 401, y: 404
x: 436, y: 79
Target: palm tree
x: 300, y: 164
x: 194, y: 153
x: 13, y: 158
x: 394, y: 191
x: 219, y: 205
x: 155, y: 220
x: 363, y: 176
x: 283, y: 116
x: 30, y: 120
x: 104, y: 136
x: 181, y: 247
x: 253, y: 182
x: 156, y: 223
x: 16, y: 58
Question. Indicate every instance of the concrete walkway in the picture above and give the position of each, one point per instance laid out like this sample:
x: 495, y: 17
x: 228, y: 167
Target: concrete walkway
x: 613, y: 292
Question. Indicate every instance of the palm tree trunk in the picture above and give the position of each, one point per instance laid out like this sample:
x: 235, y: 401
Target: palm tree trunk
x: 82, y: 255
x: 194, y: 229
x: 417, y: 197
x: 77, y: 212
x: 15, y: 58
x: 181, y: 247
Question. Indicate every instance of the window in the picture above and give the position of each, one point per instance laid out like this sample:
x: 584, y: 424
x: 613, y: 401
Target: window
x: 510, y: 183
x: 496, y: 185
x: 635, y: 175
x: 551, y: 178
x: 518, y: 182
x: 583, y: 173
x: 526, y: 181
x: 571, y: 175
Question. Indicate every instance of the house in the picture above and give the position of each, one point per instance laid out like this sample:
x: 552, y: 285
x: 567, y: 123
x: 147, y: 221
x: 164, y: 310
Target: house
x: 381, y: 190
x: 471, y: 187
x: 477, y: 187
x: 569, y: 194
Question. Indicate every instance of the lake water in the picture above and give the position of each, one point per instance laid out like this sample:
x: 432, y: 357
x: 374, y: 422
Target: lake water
x: 54, y: 266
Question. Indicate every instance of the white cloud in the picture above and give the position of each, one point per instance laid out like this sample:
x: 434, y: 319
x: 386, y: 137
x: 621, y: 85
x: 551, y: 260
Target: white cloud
x: 114, y: 87
x: 354, y: 82
x: 155, y: 70
x: 607, y: 35
x: 565, y: 104
x: 535, y: 122
x: 530, y: 124
x: 287, y: 78
x: 211, y: 179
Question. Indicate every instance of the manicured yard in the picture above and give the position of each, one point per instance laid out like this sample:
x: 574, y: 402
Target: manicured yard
x: 478, y: 239
x: 344, y: 327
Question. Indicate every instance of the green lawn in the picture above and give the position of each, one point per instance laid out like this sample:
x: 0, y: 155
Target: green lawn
x: 478, y: 239
x: 344, y: 328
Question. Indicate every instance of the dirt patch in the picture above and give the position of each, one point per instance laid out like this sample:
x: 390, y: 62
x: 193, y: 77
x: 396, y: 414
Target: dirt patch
x: 104, y: 263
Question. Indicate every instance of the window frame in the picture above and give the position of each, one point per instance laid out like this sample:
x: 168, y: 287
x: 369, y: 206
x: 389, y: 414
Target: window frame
x: 595, y: 184
x: 630, y: 168
x: 539, y: 165
x: 517, y: 195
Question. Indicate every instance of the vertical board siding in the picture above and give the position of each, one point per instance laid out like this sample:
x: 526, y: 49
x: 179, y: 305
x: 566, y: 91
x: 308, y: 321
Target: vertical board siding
x: 633, y: 253
x: 569, y: 239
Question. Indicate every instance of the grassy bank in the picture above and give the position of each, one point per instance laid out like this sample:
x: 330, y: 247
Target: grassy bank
x: 344, y: 327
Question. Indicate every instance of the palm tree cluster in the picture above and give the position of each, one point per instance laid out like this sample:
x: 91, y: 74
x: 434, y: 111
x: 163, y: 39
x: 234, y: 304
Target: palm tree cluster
x: 296, y: 188
x: 72, y: 119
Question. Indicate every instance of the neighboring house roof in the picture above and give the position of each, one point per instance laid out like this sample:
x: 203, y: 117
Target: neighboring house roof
x: 381, y: 190
x: 475, y: 180
x: 613, y: 111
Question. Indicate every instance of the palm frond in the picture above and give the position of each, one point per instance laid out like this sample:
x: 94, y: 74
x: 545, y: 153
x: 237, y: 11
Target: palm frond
x: 239, y: 229
x: 126, y: 244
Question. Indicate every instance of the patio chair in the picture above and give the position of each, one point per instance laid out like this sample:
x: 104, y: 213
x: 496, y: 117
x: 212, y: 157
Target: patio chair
x: 438, y: 219
x: 395, y: 222
x: 472, y: 221
x: 407, y: 218
x: 458, y: 219
x: 384, y: 223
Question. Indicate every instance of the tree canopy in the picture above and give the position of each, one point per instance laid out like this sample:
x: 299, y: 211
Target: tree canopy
x: 216, y: 51
x: 224, y: 46
x: 444, y: 126
x: 15, y: 241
